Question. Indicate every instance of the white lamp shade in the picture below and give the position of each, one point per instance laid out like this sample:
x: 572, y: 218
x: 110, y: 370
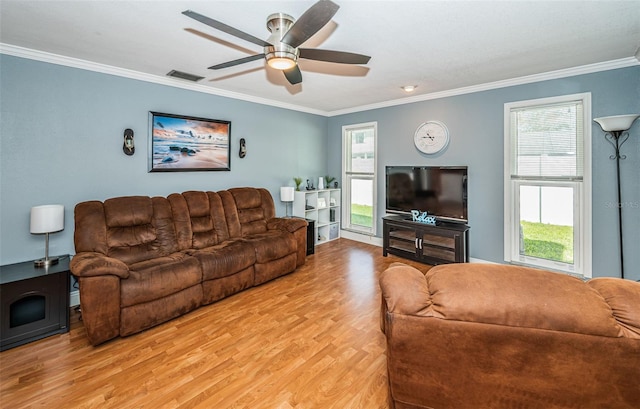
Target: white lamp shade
x: 286, y: 194
x: 47, y: 218
x: 616, y: 122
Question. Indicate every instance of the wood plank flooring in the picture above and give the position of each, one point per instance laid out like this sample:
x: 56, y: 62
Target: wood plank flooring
x: 310, y: 339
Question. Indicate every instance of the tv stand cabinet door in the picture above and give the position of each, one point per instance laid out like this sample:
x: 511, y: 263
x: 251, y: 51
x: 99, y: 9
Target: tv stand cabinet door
x: 400, y: 239
x: 438, y: 245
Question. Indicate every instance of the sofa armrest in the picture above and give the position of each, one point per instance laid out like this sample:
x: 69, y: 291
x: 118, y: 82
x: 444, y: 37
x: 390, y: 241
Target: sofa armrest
x: 623, y: 296
x: 91, y: 264
x: 100, y: 304
x: 290, y: 225
x: 405, y: 291
x: 296, y: 226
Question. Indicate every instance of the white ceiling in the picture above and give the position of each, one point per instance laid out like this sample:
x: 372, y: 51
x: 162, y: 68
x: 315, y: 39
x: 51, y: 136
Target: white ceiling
x: 436, y: 45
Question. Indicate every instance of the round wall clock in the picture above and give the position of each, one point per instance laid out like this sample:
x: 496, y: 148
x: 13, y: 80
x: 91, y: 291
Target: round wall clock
x: 431, y: 137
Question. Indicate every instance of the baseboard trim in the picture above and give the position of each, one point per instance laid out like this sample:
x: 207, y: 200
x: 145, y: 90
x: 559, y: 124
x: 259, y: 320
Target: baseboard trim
x: 362, y: 238
x: 74, y: 298
x: 479, y: 260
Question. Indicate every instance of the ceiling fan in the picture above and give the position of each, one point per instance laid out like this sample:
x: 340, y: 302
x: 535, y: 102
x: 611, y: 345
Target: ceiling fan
x: 281, y: 48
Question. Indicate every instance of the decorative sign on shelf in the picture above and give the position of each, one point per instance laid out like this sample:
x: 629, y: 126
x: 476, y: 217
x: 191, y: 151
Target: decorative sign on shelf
x: 423, y: 217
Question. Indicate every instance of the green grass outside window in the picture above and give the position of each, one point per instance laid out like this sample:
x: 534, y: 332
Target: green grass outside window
x: 548, y: 241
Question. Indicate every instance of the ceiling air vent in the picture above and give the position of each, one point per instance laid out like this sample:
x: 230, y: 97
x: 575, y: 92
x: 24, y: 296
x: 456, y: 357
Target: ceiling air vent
x: 184, y: 75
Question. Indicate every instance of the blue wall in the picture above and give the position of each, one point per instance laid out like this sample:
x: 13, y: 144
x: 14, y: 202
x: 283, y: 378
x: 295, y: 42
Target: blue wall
x: 476, y: 125
x: 61, y: 142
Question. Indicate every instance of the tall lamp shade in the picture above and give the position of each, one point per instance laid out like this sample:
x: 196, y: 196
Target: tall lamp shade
x: 286, y: 195
x: 47, y: 219
x: 616, y: 122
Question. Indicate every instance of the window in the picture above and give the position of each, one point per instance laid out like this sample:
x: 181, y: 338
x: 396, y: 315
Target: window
x: 359, y: 178
x: 548, y: 183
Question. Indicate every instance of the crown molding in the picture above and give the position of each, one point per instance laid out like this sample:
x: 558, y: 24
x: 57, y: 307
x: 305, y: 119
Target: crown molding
x: 546, y: 76
x: 137, y: 75
x: 171, y: 82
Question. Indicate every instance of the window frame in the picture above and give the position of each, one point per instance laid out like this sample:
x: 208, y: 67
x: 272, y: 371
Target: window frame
x: 348, y: 176
x: 582, y: 206
x: 577, y: 228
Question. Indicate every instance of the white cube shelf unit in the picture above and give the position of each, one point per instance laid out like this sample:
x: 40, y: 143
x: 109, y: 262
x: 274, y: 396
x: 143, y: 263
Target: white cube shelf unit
x: 323, y: 206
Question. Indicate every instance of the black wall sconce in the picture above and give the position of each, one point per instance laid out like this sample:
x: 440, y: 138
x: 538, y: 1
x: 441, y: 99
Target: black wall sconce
x: 243, y: 148
x: 127, y: 147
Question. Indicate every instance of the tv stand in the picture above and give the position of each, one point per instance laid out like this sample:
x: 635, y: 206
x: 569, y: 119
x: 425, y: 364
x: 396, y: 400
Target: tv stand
x: 430, y: 244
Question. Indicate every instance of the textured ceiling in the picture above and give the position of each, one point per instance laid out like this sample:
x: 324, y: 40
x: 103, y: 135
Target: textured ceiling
x: 436, y: 45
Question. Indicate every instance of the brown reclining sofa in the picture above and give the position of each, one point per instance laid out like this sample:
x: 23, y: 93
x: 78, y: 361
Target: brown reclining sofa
x: 495, y: 336
x: 141, y: 261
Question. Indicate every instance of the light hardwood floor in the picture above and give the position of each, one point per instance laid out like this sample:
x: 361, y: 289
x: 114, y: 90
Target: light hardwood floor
x: 310, y: 339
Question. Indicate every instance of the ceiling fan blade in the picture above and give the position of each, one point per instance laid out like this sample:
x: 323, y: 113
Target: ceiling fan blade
x: 294, y: 76
x: 341, y: 57
x: 236, y: 62
x: 316, y: 17
x: 227, y: 29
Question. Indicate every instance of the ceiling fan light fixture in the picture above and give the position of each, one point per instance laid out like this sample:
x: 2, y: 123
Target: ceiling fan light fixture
x: 281, y: 63
x: 281, y: 56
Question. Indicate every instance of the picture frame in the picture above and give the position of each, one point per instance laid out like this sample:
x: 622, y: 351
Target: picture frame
x: 179, y: 143
x: 322, y: 203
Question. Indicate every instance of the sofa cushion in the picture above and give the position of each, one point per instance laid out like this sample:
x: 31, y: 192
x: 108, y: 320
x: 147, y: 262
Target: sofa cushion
x: 225, y: 259
x: 129, y: 231
x: 138, y: 317
x: 518, y: 297
x: 138, y: 228
x: 200, y: 219
x: 247, y: 210
x: 159, y: 277
x: 219, y: 288
x: 272, y: 245
x: 274, y: 269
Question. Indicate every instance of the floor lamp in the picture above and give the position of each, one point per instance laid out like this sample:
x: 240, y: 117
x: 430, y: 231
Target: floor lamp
x: 616, y: 133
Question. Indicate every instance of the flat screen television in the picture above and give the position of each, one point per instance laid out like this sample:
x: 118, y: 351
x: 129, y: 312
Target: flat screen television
x: 440, y: 191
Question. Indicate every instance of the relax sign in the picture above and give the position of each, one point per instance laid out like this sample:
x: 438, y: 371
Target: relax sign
x: 423, y: 217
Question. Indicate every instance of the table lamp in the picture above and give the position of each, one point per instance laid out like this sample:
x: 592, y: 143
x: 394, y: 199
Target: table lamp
x: 47, y: 219
x: 286, y: 196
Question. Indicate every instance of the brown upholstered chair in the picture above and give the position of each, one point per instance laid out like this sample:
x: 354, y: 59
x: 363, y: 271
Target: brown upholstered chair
x: 497, y: 336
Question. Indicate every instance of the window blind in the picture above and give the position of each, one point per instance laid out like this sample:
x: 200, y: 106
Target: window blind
x: 547, y: 141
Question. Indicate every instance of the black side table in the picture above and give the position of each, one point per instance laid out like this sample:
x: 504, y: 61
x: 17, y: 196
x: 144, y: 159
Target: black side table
x: 34, y: 302
x: 311, y: 237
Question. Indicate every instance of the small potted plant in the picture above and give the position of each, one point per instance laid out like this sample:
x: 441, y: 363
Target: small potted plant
x: 298, y: 181
x: 328, y: 179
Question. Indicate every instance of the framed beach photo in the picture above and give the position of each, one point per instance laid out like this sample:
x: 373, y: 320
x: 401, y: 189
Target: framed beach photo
x: 185, y: 144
